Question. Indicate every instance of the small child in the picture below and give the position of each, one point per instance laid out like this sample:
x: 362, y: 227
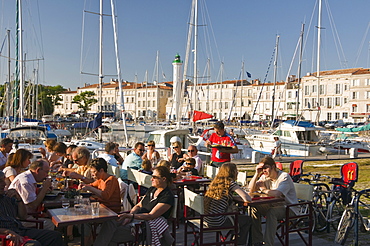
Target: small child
x: 146, y: 167
x: 189, y: 166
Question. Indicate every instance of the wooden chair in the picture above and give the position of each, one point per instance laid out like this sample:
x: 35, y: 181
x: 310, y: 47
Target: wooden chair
x: 173, y: 220
x: 242, y: 178
x: 142, y: 180
x: 296, y: 170
x: 211, y: 171
x: 130, y: 175
x: 224, y: 235
x: 301, y: 222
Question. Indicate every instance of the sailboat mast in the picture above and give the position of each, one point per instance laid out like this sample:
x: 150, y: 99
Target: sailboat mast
x: 299, y: 71
x: 157, y: 86
x: 195, y: 77
x: 318, y: 58
x: 101, y: 76
x: 9, y: 79
x: 21, y: 61
x: 118, y: 65
x: 275, y: 75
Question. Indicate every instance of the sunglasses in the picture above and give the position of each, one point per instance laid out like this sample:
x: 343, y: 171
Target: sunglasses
x: 191, y: 150
x: 142, y: 150
x: 175, y: 147
x: 78, y: 159
x: 156, y: 177
x: 150, y: 145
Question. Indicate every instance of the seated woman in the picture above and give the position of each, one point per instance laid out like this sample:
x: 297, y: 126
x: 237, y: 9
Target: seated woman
x: 157, y: 202
x: 218, y: 199
x: 105, y: 189
x: 16, y: 164
x: 151, y: 154
x: 177, y: 157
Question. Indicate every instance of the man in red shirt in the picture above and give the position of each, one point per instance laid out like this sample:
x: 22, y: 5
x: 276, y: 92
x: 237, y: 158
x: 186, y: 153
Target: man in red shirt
x: 222, y: 145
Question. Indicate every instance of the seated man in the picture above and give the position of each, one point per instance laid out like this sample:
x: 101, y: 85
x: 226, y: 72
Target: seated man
x: 11, y: 208
x: 108, y: 156
x: 276, y: 183
x: 133, y: 160
x: 25, y: 184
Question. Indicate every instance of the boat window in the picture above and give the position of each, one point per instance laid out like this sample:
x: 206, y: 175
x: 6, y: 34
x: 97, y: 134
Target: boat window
x: 154, y: 137
x: 286, y: 134
x: 278, y: 133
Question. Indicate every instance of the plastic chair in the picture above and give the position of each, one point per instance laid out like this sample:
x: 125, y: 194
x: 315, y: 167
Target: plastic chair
x: 296, y: 170
x: 112, y: 170
x: 300, y: 223
x: 279, y: 165
x: 242, y: 178
x: 224, y: 235
x: 211, y: 171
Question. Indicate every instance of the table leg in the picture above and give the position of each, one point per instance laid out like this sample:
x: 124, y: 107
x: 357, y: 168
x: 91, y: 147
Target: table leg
x: 82, y: 235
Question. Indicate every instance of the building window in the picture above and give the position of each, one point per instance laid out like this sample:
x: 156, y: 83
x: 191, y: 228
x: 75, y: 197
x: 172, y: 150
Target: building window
x: 161, y: 93
x: 367, y: 81
x: 328, y: 116
x: 328, y: 103
x: 367, y: 94
x: 306, y: 103
x: 322, y: 90
x: 215, y: 97
x: 306, y: 90
x: 337, y: 116
x: 367, y: 108
x: 337, y: 88
x: 169, y: 94
x: 344, y: 115
x: 226, y: 105
x: 138, y: 104
x: 138, y: 94
x: 313, y: 88
x: 249, y: 93
x: 354, y: 95
x: 148, y: 103
x: 346, y: 87
x: 337, y: 101
x: 148, y: 94
x: 153, y: 104
x: 355, y: 82
x: 289, y: 94
x: 321, y: 101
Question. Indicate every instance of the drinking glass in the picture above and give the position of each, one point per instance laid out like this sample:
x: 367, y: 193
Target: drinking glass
x: 85, y: 202
x: 65, y: 204
x: 77, y: 203
x: 95, y: 208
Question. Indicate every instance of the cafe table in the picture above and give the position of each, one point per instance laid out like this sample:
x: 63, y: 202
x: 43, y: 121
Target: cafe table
x: 65, y: 217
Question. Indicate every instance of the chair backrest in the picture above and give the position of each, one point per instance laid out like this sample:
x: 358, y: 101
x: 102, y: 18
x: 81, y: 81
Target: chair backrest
x: 279, y: 165
x: 211, y: 171
x: 303, y: 191
x: 296, y: 169
x: 112, y: 170
x: 242, y: 178
x: 130, y: 175
x: 142, y: 179
x: 174, y: 208
x: 194, y: 201
x: 349, y: 172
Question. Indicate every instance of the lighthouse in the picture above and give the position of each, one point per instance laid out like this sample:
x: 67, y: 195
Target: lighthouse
x: 177, y: 70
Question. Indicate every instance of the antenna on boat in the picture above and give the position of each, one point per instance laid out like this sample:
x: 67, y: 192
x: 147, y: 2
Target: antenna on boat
x: 275, y: 74
x: 318, y: 59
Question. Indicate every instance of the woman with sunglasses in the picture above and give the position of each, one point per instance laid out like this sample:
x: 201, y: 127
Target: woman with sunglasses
x: 151, y: 154
x: 158, y: 201
x: 177, y: 157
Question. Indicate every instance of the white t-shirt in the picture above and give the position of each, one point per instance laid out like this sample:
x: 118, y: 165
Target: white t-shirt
x: 284, y: 184
x: 25, y: 185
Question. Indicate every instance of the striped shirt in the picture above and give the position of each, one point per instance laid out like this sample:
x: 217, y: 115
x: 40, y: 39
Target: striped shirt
x: 219, y: 206
x: 8, y: 214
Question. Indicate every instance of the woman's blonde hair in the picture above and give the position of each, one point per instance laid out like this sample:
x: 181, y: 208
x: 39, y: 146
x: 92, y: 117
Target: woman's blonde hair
x: 219, y: 187
x: 178, y: 143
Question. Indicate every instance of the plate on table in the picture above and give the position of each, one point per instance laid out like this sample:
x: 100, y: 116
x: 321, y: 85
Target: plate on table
x: 86, y: 194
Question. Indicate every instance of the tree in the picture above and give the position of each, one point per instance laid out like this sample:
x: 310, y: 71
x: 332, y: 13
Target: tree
x: 49, y: 97
x: 85, y: 100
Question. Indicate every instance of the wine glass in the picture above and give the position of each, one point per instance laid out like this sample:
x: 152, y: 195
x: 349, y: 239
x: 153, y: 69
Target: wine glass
x: 65, y: 204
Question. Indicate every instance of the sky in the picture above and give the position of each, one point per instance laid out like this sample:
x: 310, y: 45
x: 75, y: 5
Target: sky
x: 231, y: 33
